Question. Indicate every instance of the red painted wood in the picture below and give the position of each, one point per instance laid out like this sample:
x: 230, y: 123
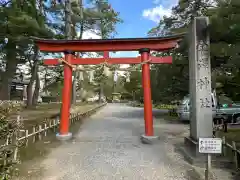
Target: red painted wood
x: 105, y: 47
x: 148, y: 116
x: 106, y: 54
x: 66, y: 97
x: 129, y: 60
x: 95, y: 45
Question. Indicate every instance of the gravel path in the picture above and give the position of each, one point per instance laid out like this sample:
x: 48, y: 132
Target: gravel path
x: 108, y: 147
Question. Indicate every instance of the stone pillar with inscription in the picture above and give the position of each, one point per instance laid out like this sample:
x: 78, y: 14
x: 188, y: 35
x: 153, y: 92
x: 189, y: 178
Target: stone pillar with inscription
x: 200, y: 80
x: 199, y: 84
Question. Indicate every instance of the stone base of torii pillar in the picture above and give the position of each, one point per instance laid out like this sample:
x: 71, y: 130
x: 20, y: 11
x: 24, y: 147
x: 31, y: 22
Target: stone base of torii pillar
x: 64, y: 137
x: 149, y: 139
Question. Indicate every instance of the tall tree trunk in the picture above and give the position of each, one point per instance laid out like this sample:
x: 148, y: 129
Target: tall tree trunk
x: 34, y: 70
x: 113, y: 90
x: 100, y: 92
x: 133, y: 94
x: 36, y: 91
x: 11, y: 66
x: 29, y: 93
x: 76, y: 74
x: 74, y: 88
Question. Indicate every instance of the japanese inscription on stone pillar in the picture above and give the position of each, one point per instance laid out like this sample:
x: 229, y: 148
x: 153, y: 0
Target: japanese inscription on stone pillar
x: 203, y: 73
x: 200, y: 80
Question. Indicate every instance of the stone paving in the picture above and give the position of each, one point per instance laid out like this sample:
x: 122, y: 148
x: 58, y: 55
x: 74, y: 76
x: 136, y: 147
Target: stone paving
x: 108, y: 147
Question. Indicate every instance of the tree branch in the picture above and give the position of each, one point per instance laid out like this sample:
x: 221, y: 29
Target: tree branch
x: 4, y: 4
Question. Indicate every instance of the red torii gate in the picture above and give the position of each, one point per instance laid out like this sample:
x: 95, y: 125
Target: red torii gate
x: 143, y: 45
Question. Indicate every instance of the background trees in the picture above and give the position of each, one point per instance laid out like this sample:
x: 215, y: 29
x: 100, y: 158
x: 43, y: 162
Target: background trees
x: 224, y: 34
x: 19, y: 21
x: 22, y: 19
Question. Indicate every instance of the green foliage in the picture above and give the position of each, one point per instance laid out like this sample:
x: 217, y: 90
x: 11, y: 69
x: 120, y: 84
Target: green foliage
x: 134, y: 87
x: 98, y: 17
x: 172, y: 80
x: 119, y: 88
x: 99, y: 76
x: 19, y: 21
x: 8, y: 129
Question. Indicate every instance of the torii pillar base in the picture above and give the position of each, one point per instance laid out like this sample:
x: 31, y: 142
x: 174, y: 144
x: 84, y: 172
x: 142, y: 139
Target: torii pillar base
x: 64, y: 137
x: 149, y: 139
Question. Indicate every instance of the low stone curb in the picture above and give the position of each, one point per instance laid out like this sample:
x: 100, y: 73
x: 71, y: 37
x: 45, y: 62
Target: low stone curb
x: 78, y: 116
x: 93, y: 110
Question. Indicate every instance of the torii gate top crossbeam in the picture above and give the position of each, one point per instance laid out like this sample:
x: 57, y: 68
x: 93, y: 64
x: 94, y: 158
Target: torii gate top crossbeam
x: 96, y: 45
x: 129, y: 60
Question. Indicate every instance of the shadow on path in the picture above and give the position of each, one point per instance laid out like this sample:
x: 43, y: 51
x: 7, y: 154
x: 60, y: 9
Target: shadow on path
x: 107, y: 146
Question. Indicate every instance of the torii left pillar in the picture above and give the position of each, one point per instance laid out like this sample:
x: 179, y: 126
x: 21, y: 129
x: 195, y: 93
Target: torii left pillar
x: 148, y: 137
x: 64, y: 133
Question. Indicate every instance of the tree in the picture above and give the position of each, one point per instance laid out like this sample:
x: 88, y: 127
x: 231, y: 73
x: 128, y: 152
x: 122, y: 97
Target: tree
x: 224, y: 30
x: 19, y: 21
x: 101, y: 18
x: 225, y: 44
x: 134, y: 87
x: 107, y: 28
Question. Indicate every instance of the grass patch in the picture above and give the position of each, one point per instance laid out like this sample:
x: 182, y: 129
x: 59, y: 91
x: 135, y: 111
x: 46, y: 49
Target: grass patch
x: 164, y: 106
x: 170, y: 118
x: 231, y: 135
x: 166, y: 116
x: 44, y: 112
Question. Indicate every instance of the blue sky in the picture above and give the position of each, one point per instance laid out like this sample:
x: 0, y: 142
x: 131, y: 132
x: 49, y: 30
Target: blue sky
x: 139, y: 17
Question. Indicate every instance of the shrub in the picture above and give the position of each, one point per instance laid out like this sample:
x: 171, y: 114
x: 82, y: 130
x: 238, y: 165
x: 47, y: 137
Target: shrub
x: 8, y: 132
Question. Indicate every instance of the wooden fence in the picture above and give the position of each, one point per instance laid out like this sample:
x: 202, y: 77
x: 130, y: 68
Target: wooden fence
x: 229, y: 150
x: 9, y: 149
x: 42, y: 128
x: 24, y: 134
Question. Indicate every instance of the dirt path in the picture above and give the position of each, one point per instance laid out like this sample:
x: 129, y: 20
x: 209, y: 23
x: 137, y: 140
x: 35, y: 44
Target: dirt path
x: 107, y: 146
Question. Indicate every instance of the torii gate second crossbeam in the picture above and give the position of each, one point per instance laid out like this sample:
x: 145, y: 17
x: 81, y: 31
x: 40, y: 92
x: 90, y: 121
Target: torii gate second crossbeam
x: 143, y: 45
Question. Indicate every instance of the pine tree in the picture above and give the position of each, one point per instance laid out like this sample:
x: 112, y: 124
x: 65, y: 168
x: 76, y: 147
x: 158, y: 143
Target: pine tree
x: 19, y: 21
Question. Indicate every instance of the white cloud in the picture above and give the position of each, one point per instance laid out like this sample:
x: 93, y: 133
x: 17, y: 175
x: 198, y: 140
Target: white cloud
x: 155, y: 14
x: 91, y: 34
x: 125, y: 54
x: 163, y: 8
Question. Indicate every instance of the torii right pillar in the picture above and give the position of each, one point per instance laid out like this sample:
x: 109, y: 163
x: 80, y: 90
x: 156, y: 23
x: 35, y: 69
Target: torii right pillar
x: 148, y: 137
x: 201, y: 116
